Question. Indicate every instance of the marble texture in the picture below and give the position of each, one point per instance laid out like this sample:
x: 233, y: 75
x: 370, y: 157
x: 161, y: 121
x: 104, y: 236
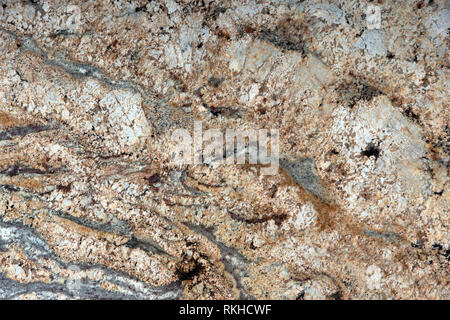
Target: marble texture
x: 91, y: 207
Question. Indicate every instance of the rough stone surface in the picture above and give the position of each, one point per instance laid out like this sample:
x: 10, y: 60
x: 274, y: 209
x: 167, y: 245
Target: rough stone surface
x: 91, y: 91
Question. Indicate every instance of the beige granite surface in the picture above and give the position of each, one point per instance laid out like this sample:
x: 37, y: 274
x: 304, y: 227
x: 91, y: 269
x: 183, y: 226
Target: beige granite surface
x: 91, y: 206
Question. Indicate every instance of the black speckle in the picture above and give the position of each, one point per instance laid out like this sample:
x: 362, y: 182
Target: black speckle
x: 10, y: 188
x: 132, y: 243
x: 283, y: 40
x: 215, y: 111
x: 301, y: 295
x: 359, y: 34
x: 262, y: 110
x: 223, y: 111
x: 154, y: 179
x: 416, y: 245
x: 273, y: 191
x: 436, y: 246
x: 139, y: 9
x: 371, y: 150
x: 217, y: 11
x: 63, y: 188
x: 336, y: 296
x: 215, y: 82
x: 368, y: 92
x: 390, y: 55
x: 411, y: 114
x: 447, y: 254
x: 354, y: 91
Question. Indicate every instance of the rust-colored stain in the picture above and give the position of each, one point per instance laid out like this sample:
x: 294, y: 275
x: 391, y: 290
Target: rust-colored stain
x: 7, y: 121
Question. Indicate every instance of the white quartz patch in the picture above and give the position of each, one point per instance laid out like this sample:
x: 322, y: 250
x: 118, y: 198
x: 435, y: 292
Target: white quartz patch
x: 125, y: 116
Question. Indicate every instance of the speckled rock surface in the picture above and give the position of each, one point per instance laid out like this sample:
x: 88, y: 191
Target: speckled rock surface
x: 91, y: 207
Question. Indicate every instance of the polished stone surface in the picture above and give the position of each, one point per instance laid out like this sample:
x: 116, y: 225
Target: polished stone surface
x: 91, y: 206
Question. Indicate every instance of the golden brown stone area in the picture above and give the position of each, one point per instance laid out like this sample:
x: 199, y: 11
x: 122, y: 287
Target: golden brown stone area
x: 91, y: 206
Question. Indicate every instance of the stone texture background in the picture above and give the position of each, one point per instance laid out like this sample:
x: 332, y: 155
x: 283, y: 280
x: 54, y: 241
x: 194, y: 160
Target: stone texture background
x: 91, y: 91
